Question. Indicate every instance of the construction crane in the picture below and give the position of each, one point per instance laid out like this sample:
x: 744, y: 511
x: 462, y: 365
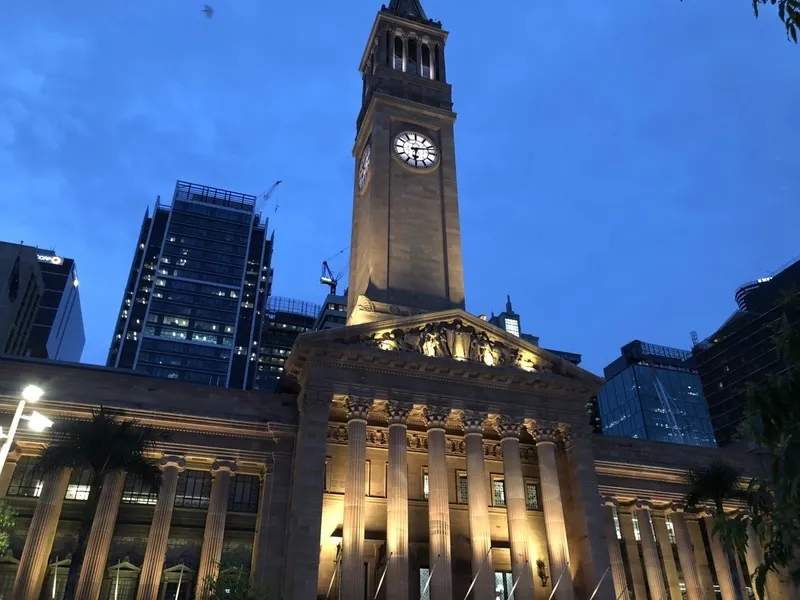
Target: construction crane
x: 264, y: 198
x: 328, y: 278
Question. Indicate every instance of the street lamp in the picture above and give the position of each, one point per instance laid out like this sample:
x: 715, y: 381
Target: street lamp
x: 36, y: 421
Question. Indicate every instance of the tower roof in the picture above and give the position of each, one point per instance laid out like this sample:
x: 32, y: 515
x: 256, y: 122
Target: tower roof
x: 409, y: 9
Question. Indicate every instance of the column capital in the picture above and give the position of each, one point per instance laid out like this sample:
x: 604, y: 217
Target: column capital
x: 543, y: 431
x: 397, y: 412
x: 357, y: 408
x: 172, y: 461
x: 219, y: 466
x: 472, y: 421
x: 643, y: 504
x: 572, y: 434
x: 675, y: 507
x: 436, y: 416
x: 508, y: 427
x: 609, y: 501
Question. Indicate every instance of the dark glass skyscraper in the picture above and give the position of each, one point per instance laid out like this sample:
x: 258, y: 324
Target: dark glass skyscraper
x: 652, y: 393
x: 193, y: 303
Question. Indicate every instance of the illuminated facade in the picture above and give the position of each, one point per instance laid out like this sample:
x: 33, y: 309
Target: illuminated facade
x: 421, y: 453
x: 193, y: 304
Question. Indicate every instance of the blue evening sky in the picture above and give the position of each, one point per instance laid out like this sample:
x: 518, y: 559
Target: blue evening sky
x: 623, y: 166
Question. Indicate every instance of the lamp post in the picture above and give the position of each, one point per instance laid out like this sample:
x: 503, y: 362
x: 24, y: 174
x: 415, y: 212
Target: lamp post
x: 36, y: 421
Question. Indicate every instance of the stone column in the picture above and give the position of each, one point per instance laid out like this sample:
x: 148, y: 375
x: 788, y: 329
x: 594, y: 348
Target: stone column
x: 352, y: 583
x: 668, y: 556
x: 258, y: 558
x: 41, y: 533
x: 397, y: 502
x: 586, y: 519
x: 99, y: 542
x: 615, y: 554
x: 754, y: 557
x: 652, y: 564
x: 405, y: 52
x: 301, y: 575
x: 722, y: 567
x: 516, y: 508
x: 691, y: 577
x: 214, y: 532
x: 156, y: 550
x: 438, y: 505
x: 8, y: 469
x: 544, y: 433
x: 478, y: 506
x: 632, y: 551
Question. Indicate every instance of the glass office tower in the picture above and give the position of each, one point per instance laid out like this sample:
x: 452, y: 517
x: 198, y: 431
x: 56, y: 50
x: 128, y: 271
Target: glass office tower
x: 194, y: 300
x: 652, y: 393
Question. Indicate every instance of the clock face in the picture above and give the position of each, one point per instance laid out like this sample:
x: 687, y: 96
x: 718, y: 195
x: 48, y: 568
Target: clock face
x: 363, y: 167
x: 416, y: 150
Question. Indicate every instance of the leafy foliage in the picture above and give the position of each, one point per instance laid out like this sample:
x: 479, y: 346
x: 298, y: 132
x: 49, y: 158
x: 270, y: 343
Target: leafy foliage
x: 773, y: 423
x: 716, y: 483
x: 233, y: 584
x: 104, y: 445
x: 8, y: 518
x: 788, y: 12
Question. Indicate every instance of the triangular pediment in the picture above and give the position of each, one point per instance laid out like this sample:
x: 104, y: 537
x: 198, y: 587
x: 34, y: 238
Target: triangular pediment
x: 451, y: 335
x: 408, y: 9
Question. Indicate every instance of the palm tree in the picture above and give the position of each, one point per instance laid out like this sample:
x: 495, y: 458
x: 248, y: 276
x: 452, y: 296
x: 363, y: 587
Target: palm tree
x: 716, y: 483
x: 103, y: 445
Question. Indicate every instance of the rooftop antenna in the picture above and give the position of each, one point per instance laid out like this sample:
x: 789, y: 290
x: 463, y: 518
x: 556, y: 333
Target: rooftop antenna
x: 695, y: 338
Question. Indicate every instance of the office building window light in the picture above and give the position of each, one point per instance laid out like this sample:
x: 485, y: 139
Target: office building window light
x: 512, y: 326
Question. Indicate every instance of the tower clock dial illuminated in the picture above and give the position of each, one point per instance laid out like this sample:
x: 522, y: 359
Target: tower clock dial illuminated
x: 416, y: 150
x: 363, y: 167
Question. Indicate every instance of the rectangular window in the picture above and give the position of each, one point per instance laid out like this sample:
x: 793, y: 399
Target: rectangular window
x: 503, y: 585
x: 425, y: 67
x: 498, y: 491
x: 78, y: 488
x: 461, y: 479
x: 243, y: 494
x: 425, y: 488
x: 398, y: 53
x: 135, y: 492
x: 617, y: 527
x: 194, y: 489
x: 512, y: 326
x: 424, y: 588
x: 637, y: 534
x: 532, y: 496
x: 411, y: 59
x: 25, y: 481
x: 671, y: 530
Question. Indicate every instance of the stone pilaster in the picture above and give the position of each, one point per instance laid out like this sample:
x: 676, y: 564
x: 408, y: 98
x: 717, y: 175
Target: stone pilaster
x: 544, y: 433
x: 305, y: 511
x: 668, y: 556
x: 587, y: 513
x: 652, y: 564
x: 99, y: 542
x: 754, y: 557
x: 258, y: 558
x: 438, y: 505
x: 8, y: 469
x: 269, y: 547
x: 352, y: 583
x: 615, y: 555
x: 478, y: 506
x: 397, y: 502
x: 156, y: 550
x: 691, y: 576
x: 211, y: 551
x: 516, y: 509
x: 41, y: 533
x: 725, y: 579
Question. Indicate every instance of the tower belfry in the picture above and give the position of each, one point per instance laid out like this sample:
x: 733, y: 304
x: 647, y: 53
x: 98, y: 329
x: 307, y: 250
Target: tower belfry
x: 406, y: 240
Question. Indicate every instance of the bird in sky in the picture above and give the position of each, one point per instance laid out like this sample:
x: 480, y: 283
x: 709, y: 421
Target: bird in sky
x: 209, y: 10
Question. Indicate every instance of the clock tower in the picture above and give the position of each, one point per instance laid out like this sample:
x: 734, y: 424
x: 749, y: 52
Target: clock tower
x: 405, y: 255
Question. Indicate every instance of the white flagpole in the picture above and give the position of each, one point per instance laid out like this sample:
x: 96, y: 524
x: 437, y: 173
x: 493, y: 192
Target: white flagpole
x: 513, y: 587
x: 430, y: 576
x: 55, y: 578
x: 475, y: 579
x: 180, y: 578
x: 564, y: 570
x: 380, y: 583
x: 335, y: 570
x: 116, y: 583
x: 599, y: 583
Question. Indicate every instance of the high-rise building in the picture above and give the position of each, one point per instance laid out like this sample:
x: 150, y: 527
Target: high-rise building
x: 284, y: 320
x: 192, y: 308
x: 333, y: 313
x: 40, y: 306
x: 510, y: 322
x: 652, y: 393
x: 742, y: 350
